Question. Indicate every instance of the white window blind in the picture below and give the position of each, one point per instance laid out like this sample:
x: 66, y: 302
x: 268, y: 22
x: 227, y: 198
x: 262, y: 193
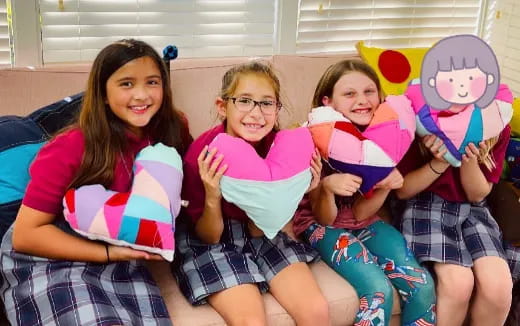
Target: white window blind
x: 78, y: 29
x: 503, y: 34
x: 5, y: 49
x: 336, y: 25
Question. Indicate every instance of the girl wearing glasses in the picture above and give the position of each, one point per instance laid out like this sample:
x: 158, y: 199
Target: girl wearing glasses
x: 224, y: 259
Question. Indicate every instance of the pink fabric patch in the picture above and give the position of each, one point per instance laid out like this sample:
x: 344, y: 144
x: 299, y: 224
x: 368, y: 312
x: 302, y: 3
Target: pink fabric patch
x: 290, y: 154
x: 166, y: 234
x: 113, y: 214
x: 397, y: 145
x: 346, y: 147
x: 453, y: 125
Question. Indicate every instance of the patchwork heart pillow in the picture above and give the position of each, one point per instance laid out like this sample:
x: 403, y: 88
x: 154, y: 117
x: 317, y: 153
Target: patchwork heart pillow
x: 268, y: 190
x: 371, y: 154
x: 143, y: 218
x: 457, y: 130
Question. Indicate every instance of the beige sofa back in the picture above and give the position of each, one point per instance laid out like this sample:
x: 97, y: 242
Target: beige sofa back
x: 195, y: 84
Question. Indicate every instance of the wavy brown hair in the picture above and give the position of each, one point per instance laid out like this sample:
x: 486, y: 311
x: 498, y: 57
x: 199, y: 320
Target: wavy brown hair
x: 104, y: 133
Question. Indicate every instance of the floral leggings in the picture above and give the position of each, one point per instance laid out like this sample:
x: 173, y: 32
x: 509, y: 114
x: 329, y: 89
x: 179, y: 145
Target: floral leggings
x: 373, y: 259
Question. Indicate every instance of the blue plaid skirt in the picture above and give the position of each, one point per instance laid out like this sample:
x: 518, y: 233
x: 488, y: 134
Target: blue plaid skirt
x: 438, y: 230
x: 202, y: 269
x: 39, y: 291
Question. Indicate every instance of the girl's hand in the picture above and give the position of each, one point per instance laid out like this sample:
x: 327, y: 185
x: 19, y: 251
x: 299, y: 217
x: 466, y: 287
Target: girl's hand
x: 436, y: 146
x: 472, y: 152
x: 342, y: 184
x: 120, y: 253
x: 392, y: 181
x: 316, y: 167
x: 210, y: 172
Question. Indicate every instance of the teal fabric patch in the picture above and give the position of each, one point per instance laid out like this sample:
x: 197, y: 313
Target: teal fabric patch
x: 269, y: 204
x: 475, y: 130
x: 146, y: 208
x: 14, y: 171
x: 129, y: 229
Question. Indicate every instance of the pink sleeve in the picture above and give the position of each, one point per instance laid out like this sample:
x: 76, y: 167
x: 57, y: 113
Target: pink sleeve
x: 499, y: 153
x: 53, y: 170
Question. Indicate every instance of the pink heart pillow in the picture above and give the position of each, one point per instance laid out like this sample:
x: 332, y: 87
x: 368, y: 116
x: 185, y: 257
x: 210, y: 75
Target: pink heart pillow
x: 268, y: 190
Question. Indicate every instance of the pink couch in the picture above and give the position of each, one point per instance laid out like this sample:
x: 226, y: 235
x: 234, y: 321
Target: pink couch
x: 195, y: 84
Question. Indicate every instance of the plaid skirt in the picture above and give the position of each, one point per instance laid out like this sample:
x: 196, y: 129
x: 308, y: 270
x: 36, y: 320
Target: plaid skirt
x: 40, y: 291
x: 438, y: 230
x: 202, y: 269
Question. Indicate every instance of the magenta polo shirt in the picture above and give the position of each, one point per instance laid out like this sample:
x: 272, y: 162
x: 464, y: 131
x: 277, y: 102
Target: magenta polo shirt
x: 193, y: 188
x: 448, y: 185
x: 57, y: 163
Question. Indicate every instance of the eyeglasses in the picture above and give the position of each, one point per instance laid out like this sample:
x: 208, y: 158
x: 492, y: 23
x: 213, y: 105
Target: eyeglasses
x: 246, y: 105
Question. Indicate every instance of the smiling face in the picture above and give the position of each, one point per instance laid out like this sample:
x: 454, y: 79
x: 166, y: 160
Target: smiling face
x: 355, y: 96
x: 251, y: 126
x: 135, y: 93
x: 463, y: 86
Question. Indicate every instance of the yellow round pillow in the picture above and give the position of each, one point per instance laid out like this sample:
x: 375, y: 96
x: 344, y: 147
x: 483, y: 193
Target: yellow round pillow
x: 515, y: 120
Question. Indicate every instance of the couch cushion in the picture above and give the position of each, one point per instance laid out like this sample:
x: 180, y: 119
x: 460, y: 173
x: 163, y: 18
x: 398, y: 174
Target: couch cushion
x: 20, y: 140
x: 342, y: 298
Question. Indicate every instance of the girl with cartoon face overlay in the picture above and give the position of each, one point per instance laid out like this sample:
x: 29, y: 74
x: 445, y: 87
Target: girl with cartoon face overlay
x: 222, y: 257
x: 444, y: 216
x: 53, y: 276
x: 343, y: 225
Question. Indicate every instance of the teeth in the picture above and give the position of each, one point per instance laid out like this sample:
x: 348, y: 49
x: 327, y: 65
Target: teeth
x: 139, y: 108
x: 253, y: 126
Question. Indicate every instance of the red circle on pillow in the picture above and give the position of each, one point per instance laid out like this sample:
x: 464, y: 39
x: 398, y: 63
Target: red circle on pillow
x: 394, y: 66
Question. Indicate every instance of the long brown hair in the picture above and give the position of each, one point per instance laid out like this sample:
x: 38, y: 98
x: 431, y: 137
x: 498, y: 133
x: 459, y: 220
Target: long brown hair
x: 334, y: 72
x: 104, y: 133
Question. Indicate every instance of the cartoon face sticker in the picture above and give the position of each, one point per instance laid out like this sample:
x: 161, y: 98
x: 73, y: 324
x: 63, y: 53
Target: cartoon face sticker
x: 463, y: 86
x: 459, y: 70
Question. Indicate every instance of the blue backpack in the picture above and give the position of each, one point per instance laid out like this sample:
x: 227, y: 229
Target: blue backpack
x: 20, y: 139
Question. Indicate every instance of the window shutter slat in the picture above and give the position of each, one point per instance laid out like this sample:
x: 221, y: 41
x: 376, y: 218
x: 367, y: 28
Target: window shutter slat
x: 197, y: 27
x: 5, y: 48
x: 385, y: 23
x: 504, y: 37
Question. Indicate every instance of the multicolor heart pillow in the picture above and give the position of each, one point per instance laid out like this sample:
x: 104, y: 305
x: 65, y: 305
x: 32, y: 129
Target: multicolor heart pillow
x: 457, y: 130
x: 268, y: 190
x: 143, y: 218
x: 371, y: 154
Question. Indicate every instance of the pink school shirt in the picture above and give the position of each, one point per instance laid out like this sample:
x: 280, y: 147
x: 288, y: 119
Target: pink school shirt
x: 448, y: 185
x: 193, y: 188
x: 57, y: 163
x: 345, y: 219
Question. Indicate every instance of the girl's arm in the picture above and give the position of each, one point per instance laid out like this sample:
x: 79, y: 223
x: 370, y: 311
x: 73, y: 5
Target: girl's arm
x: 421, y: 178
x: 322, y: 198
x: 210, y: 225
x: 474, y: 183
x: 364, y: 207
x: 35, y: 234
